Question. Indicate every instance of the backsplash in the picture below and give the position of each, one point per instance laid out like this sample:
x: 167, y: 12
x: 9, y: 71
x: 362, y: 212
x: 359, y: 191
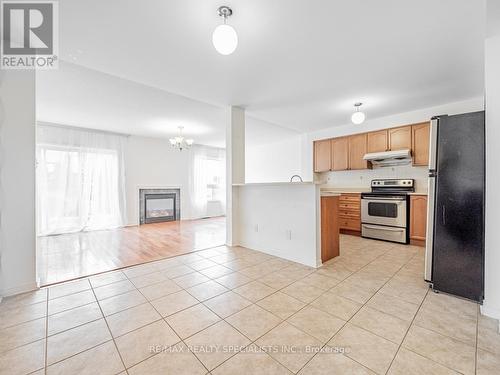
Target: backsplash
x: 362, y: 178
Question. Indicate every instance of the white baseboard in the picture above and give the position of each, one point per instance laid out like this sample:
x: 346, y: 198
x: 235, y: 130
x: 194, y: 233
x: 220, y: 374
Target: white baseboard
x: 28, y: 287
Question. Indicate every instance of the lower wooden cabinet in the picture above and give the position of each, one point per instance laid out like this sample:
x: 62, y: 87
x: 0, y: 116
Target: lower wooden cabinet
x: 418, y: 219
x: 350, y: 212
x: 329, y: 228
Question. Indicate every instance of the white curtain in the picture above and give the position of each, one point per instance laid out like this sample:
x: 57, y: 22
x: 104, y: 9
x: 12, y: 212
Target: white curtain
x: 80, y: 180
x: 207, y: 182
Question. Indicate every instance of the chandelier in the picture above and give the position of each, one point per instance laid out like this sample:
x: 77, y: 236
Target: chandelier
x: 180, y: 142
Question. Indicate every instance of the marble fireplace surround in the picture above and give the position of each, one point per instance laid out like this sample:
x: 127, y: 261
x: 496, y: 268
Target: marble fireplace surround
x: 159, y: 190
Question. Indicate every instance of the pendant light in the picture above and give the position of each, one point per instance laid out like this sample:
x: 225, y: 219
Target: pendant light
x: 358, y: 117
x: 179, y: 142
x: 224, y: 37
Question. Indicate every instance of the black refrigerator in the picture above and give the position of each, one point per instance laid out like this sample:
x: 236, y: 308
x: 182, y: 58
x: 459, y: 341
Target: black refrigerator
x: 454, y: 257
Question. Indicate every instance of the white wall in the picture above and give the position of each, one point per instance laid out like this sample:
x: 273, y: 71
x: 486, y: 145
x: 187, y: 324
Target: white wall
x: 274, y: 162
x: 152, y: 162
x: 475, y: 104
x: 272, y: 153
x: 491, y: 305
x: 17, y: 182
x: 281, y: 220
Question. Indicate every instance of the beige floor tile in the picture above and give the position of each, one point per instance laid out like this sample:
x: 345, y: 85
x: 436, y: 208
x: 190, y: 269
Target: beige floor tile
x: 76, y: 340
x: 366, y: 348
x: 316, y: 323
x: 320, y: 281
x: 177, y: 271
x: 216, y: 271
x: 23, y: 360
x: 487, y: 363
x: 142, y: 269
x: 191, y: 279
x: 253, y: 321
x: 227, y: 304
x: 238, y: 264
x: 334, y: 363
x: 449, y: 352
x: 368, y: 280
x: 222, y: 340
x: 201, y: 264
x: 443, y: 303
x: 164, y: 264
x: 103, y: 360
x: 289, y: 345
x: 121, y: 302
x: 449, y: 324
x: 487, y: 322
x: 71, y: 287
x: 382, y: 324
x: 336, y: 305
x: 22, y: 334
x: 281, y: 304
x: 336, y: 271
x: 113, y: 289
x: 23, y: 299
x: 161, y: 289
x: 192, y: 320
x: 174, y: 302
x: 178, y: 360
x: 254, y: 291
x: 206, y: 290
x: 251, y: 362
x: 489, y: 339
x: 303, y: 292
x: 142, y: 343
x: 107, y: 278
x: 403, y: 290
x: 276, y: 280
x: 72, y: 318
x: 130, y: 319
x: 22, y: 314
x: 149, y: 279
x: 394, y: 306
x: 256, y: 271
x: 233, y: 280
x: 408, y: 362
x: 352, y: 292
x: 70, y: 301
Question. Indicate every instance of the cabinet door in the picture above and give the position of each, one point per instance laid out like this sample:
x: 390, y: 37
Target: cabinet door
x: 329, y: 228
x: 377, y: 141
x: 400, y: 138
x: 357, y: 149
x: 418, y: 217
x: 420, y: 143
x: 340, y: 154
x: 322, y: 156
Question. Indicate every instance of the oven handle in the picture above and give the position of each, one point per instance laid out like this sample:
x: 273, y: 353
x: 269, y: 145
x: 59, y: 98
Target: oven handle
x: 384, y: 228
x: 395, y: 201
x: 384, y: 199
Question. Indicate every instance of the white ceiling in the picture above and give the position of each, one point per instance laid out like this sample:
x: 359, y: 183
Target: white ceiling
x: 300, y: 64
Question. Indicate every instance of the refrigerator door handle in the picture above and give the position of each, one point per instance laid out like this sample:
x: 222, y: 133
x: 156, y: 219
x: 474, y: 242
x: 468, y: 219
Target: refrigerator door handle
x: 444, y: 215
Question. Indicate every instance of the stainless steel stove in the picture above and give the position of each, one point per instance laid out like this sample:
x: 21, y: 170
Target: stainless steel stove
x: 385, y: 210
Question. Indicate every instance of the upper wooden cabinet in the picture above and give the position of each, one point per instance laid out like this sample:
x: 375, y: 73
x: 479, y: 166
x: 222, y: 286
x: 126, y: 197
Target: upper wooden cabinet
x: 340, y: 154
x: 400, y: 138
x: 420, y: 143
x: 378, y: 141
x: 322, y: 155
x: 357, y: 149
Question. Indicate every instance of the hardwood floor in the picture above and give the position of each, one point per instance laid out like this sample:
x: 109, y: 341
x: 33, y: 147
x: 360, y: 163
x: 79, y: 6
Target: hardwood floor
x: 69, y: 256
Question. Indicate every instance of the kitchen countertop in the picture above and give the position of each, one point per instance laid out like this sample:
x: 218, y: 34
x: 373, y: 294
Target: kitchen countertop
x: 358, y: 190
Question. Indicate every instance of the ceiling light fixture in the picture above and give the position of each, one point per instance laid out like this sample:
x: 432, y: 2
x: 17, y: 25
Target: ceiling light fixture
x: 358, y: 117
x: 224, y: 37
x: 180, y: 142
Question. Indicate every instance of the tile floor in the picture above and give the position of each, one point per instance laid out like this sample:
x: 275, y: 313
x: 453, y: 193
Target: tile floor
x: 233, y: 310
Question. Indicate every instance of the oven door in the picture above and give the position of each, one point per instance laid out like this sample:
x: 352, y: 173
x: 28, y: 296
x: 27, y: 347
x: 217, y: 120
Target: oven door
x: 384, y: 211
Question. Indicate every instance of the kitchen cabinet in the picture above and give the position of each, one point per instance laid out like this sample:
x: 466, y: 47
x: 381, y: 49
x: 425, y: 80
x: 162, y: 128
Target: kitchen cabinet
x: 420, y: 143
x: 377, y: 141
x: 340, y: 154
x: 350, y: 213
x: 400, y: 138
x: 357, y: 149
x: 418, y: 219
x: 329, y: 227
x: 322, y: 155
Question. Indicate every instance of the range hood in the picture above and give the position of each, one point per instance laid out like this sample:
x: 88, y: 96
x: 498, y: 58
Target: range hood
x: 389, y: 158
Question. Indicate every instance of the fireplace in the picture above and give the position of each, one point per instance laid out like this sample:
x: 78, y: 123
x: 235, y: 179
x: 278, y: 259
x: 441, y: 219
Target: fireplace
x: 159, y: 205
